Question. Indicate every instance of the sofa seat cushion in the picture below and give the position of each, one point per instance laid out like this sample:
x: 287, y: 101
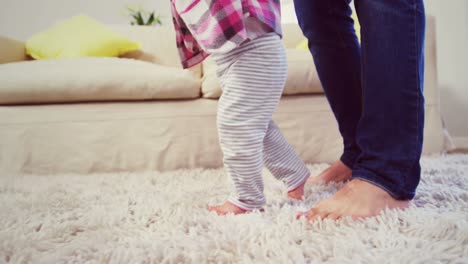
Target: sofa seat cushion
x: 302, y: 76
x: 93, y: 79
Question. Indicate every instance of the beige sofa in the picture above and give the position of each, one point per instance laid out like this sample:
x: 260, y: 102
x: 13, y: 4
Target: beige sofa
x: 142, y: 112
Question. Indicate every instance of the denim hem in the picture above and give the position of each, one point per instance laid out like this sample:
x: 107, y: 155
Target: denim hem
x: 348, y: 159
x: 396, y: 192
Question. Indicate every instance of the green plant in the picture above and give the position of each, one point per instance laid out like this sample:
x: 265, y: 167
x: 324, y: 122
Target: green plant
x: 142, y: 17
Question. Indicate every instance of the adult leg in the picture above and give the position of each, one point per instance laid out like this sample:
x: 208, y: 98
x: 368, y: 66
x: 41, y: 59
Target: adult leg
x: 329, y: 28
x: 390, y: 132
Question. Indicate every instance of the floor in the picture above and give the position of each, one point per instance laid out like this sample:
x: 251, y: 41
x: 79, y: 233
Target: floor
x: 459, y: 151
x: 156, y: 217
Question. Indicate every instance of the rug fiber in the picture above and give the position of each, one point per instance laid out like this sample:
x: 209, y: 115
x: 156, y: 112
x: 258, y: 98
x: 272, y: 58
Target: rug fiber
x: 161, y: 218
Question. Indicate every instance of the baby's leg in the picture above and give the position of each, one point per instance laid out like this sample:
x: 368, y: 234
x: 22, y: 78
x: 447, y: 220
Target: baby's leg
x: 283, y: 162
x: 252, y: 78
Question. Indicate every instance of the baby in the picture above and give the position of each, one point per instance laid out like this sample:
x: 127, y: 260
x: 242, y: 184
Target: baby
x: 244, y: 39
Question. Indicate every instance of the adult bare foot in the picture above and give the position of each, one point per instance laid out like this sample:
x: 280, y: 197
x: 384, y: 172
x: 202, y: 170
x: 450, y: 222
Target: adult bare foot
x: 297, y: 193
x: 227, y: 208
x: 337, y: 172
x: 358, y: 199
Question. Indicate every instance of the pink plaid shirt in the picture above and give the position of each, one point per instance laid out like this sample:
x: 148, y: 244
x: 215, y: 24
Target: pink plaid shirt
x: 207, y: 26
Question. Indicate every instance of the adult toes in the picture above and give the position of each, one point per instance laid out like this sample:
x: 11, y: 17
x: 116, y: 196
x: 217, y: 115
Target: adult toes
x: 300, y: 215
x: 363, y: 216
x: 334, y: 216
x: 315, y: 214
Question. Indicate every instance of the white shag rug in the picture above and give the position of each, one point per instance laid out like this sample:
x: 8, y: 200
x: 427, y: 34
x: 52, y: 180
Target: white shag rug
x: 161, y: 218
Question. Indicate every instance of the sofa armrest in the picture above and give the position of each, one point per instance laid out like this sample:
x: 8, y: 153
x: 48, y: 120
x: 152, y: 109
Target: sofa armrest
x: 11, y: 50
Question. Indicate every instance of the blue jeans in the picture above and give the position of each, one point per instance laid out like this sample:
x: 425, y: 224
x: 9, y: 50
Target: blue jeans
x: 375, y: 89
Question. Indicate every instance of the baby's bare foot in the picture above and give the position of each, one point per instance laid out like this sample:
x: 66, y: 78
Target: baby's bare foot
x: 298, y: 193
x: 358, y: 199
x: 227, y: 208
x: 337, y: 172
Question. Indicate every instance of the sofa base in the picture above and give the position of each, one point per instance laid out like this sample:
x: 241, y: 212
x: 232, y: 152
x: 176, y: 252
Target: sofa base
x: 156, y: 135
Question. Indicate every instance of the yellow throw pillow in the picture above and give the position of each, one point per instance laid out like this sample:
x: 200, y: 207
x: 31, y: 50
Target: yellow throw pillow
x: 80, y: 36
x: 305, y: 46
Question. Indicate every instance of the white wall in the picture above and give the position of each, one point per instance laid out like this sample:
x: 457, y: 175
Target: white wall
x: 452, y: 61
x: 21, y: 18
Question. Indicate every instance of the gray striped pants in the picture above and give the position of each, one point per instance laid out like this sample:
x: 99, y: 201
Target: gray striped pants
x: 252, y: 78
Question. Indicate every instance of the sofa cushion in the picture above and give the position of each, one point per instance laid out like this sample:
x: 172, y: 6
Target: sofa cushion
x: 158, y: 45
x: 93, y: 79
x: 302, y: 76
x: 11, y: 50
x: 79, y: 36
